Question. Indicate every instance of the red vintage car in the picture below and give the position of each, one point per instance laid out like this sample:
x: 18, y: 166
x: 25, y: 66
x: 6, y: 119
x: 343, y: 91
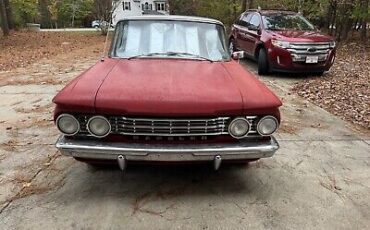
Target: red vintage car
x: 282, y: 41
x: 168, y: 92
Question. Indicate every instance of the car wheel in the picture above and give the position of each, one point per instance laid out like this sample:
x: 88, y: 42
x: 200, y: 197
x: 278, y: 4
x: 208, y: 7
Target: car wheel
x: 232, y: 48
x: 96, y: 27
x: 263, y: 65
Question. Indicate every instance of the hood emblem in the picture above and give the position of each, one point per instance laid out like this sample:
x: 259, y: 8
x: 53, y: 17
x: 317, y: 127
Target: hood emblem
x: 311, y: 49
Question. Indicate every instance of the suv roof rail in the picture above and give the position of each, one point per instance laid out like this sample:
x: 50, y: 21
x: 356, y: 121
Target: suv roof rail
x: 270, y: 9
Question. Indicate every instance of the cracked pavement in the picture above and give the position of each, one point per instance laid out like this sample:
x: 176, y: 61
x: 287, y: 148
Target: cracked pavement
x: 320, y: 178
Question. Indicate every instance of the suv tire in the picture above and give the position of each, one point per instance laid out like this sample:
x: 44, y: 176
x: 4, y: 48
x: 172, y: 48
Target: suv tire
x: 263, y: 65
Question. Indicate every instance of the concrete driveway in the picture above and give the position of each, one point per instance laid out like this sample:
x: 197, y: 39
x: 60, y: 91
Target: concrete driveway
x: 319, y: 179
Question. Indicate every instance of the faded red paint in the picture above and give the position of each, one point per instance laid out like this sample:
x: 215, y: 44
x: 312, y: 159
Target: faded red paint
x: 167, y: 88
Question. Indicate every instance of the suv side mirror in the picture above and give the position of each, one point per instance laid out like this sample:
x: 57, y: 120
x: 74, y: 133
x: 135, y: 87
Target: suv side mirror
x: 238, y: 55
x: 253, y: 27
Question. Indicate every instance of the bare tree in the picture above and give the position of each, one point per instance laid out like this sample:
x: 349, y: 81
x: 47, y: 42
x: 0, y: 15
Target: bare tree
x: 4, y: 20
x: 365, y: 4
x: 74, y: 9
x: 103, y: 10
x: 45, y: 13
x: 247, y: 4
x: 9, y: 14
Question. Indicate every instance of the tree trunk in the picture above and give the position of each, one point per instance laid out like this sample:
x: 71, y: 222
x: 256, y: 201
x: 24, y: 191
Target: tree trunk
x: 363, y: 30
x: 4, y: 21
x: 9, y: 14
x: 249, y: 4
x: 45, y: 14
x: 244, y: 5
x: 347, y: 21
x: 364, y: 21
x: 333, y: 25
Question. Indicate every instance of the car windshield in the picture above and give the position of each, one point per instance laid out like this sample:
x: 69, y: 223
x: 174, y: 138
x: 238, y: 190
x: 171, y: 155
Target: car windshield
x: 170, y: 39
x: 286, y: 22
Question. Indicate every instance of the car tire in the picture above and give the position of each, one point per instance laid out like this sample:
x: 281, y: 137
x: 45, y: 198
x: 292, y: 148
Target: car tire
x: 263, y: 65
x: 321, y: 73
x: 96, y: 27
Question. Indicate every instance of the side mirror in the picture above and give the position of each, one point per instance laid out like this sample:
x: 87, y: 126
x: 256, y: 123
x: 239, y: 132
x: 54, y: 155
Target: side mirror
x: 238, y: 55
x: 253, y: 27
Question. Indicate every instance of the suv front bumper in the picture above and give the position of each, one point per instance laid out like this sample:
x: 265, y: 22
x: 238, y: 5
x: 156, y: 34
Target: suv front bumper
x: 281, y: 60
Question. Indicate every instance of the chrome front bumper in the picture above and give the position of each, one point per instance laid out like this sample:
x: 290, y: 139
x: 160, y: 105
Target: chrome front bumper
x: 242, y: 150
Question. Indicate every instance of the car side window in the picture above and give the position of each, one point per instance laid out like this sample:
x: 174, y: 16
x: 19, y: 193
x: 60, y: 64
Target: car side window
x: 244, y: 19
x: 255, y: 21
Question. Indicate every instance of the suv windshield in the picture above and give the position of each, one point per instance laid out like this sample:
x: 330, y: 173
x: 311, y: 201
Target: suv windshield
x: 170, y: 39
x: 286, y: 22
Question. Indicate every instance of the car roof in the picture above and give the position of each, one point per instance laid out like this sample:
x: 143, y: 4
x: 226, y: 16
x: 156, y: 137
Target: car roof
x: 172, y: 18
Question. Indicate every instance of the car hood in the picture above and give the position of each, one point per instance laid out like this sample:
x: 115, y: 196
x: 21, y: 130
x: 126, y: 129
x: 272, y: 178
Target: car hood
x: 79, y: 95
x: 301, y: 36
x: 164, y: 87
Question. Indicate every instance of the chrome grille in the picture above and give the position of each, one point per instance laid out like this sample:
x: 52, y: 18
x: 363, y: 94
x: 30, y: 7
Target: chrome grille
x: 168, y: 127
x: 299, y: 51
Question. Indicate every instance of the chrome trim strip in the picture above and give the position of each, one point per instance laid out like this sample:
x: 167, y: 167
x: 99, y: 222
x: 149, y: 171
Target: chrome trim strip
x: 171, y: 18
x: 241, y: 150
x: 172, y: 134
x: 175, y: 120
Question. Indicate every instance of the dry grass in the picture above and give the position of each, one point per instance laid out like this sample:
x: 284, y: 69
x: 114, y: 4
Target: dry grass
x: 21, y: 49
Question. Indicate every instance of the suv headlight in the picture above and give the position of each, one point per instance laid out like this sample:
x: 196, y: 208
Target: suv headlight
x: 99, y: 126
x: 332, y: 44
x: 267, y: 125
x: 239, y: 127
x: 280, y: 43
x: 68, y: 124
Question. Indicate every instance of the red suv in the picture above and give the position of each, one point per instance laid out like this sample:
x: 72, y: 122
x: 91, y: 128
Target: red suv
x: 282, y: 41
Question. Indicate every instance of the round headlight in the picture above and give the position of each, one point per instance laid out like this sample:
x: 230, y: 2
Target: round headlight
x: 99, y: 126
x: 267, y: 125
x: 239, y: 128
x: 68, y: 124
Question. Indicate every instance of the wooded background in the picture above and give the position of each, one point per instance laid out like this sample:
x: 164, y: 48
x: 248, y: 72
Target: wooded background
x: 343, y: 19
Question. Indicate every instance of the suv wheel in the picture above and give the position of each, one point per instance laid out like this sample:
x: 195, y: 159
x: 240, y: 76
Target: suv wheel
x: 320, y: 73
x: 263, y: 65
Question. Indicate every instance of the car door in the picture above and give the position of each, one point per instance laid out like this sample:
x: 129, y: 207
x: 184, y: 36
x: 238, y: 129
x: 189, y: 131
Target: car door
x: 241, y: 29
x: 253, y: 33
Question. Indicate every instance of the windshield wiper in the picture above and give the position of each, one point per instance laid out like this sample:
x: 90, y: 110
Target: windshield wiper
x: 188, y: 54
x: 170, y: 54
x: 146, y: 55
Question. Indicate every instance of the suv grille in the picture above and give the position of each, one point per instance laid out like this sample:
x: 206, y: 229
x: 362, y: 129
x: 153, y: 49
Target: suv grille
x: 300, y: 51
x: 168, y: 127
